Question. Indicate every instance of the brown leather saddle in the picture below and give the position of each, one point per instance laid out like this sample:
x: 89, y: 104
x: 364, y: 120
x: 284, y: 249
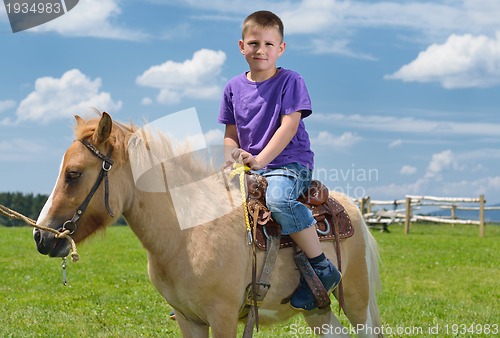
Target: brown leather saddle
x: 333, y: 223
x: 331, y: 217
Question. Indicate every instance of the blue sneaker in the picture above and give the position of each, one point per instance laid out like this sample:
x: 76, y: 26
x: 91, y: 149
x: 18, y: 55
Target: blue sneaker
x: 303, y: 298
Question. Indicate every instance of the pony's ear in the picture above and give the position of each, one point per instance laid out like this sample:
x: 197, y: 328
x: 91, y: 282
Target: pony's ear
x: 79, y: 120
x: 104, y: 129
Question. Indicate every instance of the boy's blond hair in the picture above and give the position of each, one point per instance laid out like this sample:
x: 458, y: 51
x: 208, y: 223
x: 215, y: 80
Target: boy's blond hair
x: 264, y: 19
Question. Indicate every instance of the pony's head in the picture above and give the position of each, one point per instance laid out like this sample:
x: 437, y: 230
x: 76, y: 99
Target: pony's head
x: 84, y: 198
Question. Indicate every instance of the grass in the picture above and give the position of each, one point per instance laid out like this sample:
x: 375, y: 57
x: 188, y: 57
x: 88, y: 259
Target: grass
x: 434, y: 278
x: 440, y: 276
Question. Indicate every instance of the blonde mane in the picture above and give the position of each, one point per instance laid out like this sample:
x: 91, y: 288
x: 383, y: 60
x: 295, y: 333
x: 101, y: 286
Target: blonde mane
x: 127, y: 138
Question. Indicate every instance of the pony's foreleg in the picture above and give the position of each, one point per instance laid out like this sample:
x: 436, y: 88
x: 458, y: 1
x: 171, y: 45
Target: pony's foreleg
x: 325, y: 324
x: 223, y: 320
x: 191, y: 329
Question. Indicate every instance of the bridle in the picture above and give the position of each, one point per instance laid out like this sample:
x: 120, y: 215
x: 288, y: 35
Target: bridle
x: 107, y: 164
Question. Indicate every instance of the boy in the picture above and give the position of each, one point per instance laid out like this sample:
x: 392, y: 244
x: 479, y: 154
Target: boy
x: 263, y: 111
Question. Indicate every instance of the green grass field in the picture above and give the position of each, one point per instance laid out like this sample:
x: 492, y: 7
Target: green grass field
x: 439, y: 281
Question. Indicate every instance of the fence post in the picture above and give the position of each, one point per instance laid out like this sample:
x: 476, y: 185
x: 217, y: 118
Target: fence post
x: 453, y: 213
x: 407, y: 215
x: 481, y: 215
x: 362, y: 206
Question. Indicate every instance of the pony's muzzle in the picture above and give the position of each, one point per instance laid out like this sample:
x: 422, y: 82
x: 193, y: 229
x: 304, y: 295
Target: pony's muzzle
x: 37, y: 236
x: 47, y: 244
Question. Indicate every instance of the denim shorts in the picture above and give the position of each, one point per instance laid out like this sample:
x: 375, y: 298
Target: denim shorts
x: 285, y: 185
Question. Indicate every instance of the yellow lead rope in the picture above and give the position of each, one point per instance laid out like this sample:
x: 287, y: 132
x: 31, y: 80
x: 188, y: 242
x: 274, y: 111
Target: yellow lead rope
x: 240, y: 169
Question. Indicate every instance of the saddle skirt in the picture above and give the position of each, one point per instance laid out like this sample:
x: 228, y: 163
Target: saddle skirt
x: 331, y: 217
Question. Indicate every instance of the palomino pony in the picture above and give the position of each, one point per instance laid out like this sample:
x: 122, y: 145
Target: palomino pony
x: 201, y: 271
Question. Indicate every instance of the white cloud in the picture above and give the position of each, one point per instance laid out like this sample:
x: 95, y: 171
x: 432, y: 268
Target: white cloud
x: 439, y: 180
x: 492, y: 182
x: 344, y: 141
x: 396, y: 143
x: 338, y: 47
x: 7, y: 121
x: 6, y: 105
x: 21, y: 150
x: 3, y: 14
x: 168, y: 96
x: 408, y: 170
x: 479, y: 155
x: 333, y: 24
x: 94, y: 18
x: 408, y: 124
x: 311, y: 16
x: 440, y: 162
x: 223, y: 6
x: 431, y: 18
x: 489, y: 186
x: 324, y: 16
x: 214, y: 136
x: 475, y: 160
x: 55, y: 98
x: 482, y: 14
x: 197, y: 78
x: 440, y: 18
x: 461, y: 62
x: 147, y: 101
x: 392, y: 191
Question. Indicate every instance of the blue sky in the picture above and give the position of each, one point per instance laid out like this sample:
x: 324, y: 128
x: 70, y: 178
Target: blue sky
x: 405, y: 93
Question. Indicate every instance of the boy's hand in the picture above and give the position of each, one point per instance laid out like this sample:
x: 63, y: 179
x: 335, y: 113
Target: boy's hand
x: 242, y: 156
x: 228, y: 164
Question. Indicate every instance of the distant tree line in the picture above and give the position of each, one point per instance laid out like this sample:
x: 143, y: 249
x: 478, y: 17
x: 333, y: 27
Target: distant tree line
x: 29, y: 205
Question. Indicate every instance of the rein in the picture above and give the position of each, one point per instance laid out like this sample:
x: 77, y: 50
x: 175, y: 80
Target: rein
x: 107, y: 164
x: 240, y: 169
x: 256, y: 290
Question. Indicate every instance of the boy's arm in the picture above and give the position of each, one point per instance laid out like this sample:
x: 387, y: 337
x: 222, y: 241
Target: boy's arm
x: 280, y: 139
x: 231, y: 141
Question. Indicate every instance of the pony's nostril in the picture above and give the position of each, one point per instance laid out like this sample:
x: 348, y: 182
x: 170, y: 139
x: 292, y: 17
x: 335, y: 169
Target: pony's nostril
x: 37, y: 236
x: 41, y: 242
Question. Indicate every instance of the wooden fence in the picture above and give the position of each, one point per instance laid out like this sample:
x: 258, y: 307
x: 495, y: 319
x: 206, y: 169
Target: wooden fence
x: 392, y: 213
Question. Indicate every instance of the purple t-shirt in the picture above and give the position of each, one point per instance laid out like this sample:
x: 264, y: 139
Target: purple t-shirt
x: 256, y: 108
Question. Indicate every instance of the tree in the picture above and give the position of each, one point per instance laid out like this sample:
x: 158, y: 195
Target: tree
x: 27, y: 204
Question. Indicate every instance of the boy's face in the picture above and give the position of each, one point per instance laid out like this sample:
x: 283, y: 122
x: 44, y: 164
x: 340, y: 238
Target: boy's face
x: 262, y: 47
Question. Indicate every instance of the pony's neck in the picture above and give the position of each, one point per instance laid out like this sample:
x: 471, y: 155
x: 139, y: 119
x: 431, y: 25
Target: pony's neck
x: 151, y: 217
x: 177, y: 254
x: 201, y: 197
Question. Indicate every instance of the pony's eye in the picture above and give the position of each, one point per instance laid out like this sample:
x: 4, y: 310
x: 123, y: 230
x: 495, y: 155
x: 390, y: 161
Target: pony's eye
x: 73, y: 176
